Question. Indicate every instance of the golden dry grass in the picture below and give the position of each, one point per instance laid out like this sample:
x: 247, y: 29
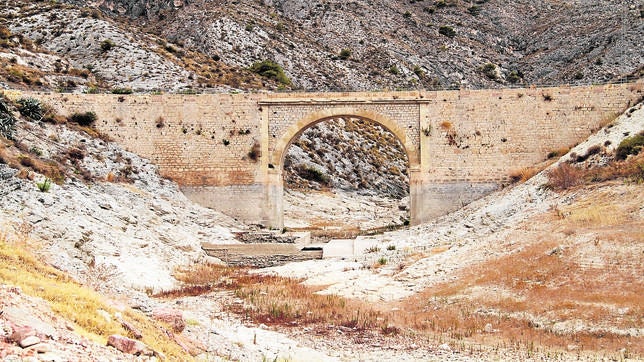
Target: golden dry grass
x: 72, y: 301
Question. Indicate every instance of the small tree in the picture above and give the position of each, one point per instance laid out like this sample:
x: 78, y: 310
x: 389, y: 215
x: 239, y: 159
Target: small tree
x: 270, y: 69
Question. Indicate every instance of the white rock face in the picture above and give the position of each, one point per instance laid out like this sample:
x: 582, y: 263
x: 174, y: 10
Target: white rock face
x: 130, y: 234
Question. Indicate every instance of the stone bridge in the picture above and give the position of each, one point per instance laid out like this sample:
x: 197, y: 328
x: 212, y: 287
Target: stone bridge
x: 226, y: 151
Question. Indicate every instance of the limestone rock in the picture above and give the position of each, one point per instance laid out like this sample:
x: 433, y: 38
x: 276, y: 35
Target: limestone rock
x: 129, y: 346
x: 172, y: 317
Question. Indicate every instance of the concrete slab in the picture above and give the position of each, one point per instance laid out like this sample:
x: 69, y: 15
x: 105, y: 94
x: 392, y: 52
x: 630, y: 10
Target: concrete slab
x: 338, y: 248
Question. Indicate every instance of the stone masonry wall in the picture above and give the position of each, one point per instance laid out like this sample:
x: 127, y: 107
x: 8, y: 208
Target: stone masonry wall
x: 464, y: 142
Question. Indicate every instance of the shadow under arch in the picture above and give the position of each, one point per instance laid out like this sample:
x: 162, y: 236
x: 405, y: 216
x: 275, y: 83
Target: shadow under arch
x: 277, y: 154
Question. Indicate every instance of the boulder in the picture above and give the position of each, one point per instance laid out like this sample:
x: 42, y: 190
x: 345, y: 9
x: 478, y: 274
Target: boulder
x: 170, y: 316
x: 129, y: 346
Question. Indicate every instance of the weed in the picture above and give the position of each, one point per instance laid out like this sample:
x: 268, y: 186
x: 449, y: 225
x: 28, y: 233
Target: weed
x: 382, y: 260
x: 373, y: 249
x: 255, y: 152
x: 44, y: 186
x: 523, y: 174
x: 391, y: 247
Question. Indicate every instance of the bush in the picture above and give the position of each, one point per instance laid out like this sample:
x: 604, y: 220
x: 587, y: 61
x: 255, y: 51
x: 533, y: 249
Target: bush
x: 83, y: 119
x: 44, y: 186
x: 122, y: 91
x: 7, y: 120
x: 489, y: 70
x: 345, y: 54
x: 313, y: 174
x: 448, y: 31
x: 513, y: 77
x: 564, y: 177
x: 31, y: 108
x: 107, y: 45
x: 270, y: 69
x: 630, y: 146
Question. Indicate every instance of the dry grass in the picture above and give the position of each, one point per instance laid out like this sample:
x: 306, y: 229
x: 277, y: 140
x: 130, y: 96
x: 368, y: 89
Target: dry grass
x: 72, y: 301
x: 279, y: 301
x: 592, y: 277
x: 566, y: 176
x: 523, y: 174
x: 506, y: 291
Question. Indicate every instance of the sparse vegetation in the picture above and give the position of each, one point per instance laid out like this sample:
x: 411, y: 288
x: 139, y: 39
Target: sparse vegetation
x: 344, y: 54
x: 44, y: 185
x: 107, y: 45
x: 272, y: 70
x: 448, y: 31
x: 31, y: 108
x: 83, y: 119
x: 630, y: 146
x: 35, y: 278
x: 278, y: 301
x: 122, y: 91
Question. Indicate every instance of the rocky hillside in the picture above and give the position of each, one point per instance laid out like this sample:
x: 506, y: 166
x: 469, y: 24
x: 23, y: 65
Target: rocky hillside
x: 348, y: 154
x: 367, y: 45
x: 102, y: 209
x: 321, y: 45
x: 51, y: 45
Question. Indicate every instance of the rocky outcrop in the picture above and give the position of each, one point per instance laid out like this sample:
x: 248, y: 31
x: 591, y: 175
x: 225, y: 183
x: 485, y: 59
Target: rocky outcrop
x: 351, y: 155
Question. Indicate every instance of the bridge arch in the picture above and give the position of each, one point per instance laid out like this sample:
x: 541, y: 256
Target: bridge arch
x: 292, y: 133
x: 280, y: 146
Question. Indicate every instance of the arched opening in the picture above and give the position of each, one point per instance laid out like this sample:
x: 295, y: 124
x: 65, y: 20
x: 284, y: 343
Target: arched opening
x: 344, y: 176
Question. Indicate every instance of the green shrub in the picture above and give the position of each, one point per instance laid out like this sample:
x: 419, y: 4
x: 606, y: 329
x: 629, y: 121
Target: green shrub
x: 344, y: 54
x: 382, y: 260
x: 489, y: 70
x: 630, y: 146
x: 270, y: 69
x: 122, y: 91
x: 107, y: 45
x: 394, y: 70
x: 83, y: 119
x: 513, y: 77
x: 474, y: 10
x: 420, y: 73
x: 31, y: 108
x: 44, y: 186
x: 448, y: 31
x: 313, y: 174
x: 7, y: 120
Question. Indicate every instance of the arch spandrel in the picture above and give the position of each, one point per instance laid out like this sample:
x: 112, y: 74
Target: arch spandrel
x: 280, y: 146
